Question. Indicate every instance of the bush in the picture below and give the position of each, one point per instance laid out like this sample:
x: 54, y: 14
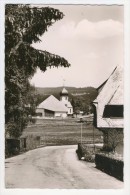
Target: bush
x: 107, y: 149
x: 110, y: 165
x: 86, y: 151
x: 33, y: 120
x: 90, y: 156
x: 12, y: 147
x: 80, y: 151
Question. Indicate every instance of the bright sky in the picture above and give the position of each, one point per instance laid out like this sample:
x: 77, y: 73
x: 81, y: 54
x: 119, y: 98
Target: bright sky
x: 90, y: 38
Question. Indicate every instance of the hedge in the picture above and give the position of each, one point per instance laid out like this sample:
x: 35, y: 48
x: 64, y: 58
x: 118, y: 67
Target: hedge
x: 87, y: 151
x: 12, y: 147
x: 80, y: 151
x: 110, y: 165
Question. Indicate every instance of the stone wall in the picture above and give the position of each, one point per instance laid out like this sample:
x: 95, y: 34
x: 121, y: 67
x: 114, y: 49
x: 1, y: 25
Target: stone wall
x: 29, y: 142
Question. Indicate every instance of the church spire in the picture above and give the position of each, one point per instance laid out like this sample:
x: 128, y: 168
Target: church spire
x: 64, y: 91
x: 63, y: 83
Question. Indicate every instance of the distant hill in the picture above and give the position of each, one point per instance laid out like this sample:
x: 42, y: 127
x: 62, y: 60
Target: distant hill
x: 80, y: 98
x: 72, y: 90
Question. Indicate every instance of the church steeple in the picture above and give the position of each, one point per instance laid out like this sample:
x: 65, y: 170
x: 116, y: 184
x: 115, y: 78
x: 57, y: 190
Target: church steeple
x: 64, y: 91
x: 64, y: 98
x: 64, y: 95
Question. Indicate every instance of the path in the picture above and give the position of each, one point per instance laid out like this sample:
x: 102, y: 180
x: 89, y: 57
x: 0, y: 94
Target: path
x: 55, y: 167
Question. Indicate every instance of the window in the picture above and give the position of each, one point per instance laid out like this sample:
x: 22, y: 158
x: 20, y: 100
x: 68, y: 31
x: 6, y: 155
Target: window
x: 38, y: 114
x: 113, y: 111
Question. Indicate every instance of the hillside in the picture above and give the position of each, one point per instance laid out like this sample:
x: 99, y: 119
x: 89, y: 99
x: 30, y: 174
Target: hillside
x: 80, y: 98
x: 71, y: 90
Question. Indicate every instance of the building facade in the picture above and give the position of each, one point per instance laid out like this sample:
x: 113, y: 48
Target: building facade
x: 52, y: 107
x: 108, y: 106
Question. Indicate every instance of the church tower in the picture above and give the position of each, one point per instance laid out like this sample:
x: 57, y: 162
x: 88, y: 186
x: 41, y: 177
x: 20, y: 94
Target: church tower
x: 64, y: 95
x: 64, y: 98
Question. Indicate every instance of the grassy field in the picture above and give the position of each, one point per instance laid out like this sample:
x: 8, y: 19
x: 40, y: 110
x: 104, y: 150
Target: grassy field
x: 62, y: 132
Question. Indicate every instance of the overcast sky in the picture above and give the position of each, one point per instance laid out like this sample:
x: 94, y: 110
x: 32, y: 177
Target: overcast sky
x: 90, y: 38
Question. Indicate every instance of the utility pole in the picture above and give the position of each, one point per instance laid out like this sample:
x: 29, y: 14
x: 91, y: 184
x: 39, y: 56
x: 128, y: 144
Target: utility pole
x: 81, y: 130
x: 93, y: 138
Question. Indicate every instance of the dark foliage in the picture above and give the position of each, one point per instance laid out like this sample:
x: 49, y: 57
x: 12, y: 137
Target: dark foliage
x: 110, y: 165
x: 23, y: 26
x: 12, y: 147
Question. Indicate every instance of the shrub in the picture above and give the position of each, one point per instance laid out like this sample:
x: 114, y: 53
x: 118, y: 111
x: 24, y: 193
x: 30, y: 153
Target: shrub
x: 86, y: 151
x: 12, y: 147
x: 79, y: 151
x: 107, y: 149
x: 33, y: 120
x: 90, y: 156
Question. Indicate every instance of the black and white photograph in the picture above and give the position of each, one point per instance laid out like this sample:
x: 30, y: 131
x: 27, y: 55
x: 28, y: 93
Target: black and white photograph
x: 64, y: 96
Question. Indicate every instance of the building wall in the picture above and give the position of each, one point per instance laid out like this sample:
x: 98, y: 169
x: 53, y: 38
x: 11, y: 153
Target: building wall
x: 70, y: 110
x: 40, y: 110
x: 61, y: 114
x: 49, y: 113
x: 64, y: 98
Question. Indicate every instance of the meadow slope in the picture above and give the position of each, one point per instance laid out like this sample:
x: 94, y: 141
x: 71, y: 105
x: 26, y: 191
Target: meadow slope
x: 63, y: 132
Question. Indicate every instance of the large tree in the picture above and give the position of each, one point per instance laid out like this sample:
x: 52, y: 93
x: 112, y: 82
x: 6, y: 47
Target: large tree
x: 24, y: 24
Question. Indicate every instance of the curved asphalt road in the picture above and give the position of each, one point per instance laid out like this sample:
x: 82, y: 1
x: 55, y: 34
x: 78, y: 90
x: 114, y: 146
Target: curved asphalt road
x: 55, y: 167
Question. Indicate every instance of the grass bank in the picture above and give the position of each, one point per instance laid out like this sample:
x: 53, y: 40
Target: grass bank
x: 62, y: 132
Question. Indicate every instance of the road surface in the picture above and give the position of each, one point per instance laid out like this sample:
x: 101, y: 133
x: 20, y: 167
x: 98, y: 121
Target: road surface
x: 55, y: 167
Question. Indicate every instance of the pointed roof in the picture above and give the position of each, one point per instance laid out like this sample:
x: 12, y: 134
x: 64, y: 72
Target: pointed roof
x: 111, y: 94
x: 64, y: 92
x: 69, y: 105
x: 102, y: 85
x: 53, y: 104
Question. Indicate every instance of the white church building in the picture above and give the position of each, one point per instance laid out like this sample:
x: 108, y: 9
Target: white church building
x: 52, y: 107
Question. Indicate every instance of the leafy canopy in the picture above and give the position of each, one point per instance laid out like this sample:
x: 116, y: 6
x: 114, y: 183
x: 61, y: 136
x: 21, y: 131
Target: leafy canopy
x: 23, y: 26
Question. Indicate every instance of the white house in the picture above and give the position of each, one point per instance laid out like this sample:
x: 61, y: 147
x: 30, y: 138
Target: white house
x: 52, y: 107
x: 109, y: 103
